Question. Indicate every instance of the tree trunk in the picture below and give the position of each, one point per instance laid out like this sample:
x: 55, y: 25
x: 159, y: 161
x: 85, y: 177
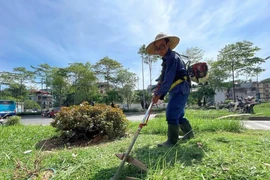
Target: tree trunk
x: 233, y: 83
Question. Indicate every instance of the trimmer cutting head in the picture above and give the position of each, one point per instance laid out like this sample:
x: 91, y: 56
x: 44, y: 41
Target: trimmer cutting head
x: 132, y: 161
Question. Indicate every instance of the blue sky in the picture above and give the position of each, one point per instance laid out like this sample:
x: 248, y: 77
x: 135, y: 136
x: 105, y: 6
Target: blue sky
x: 58, y: 32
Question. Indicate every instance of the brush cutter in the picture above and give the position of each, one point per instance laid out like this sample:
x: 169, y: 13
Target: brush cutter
x: 125, y: 157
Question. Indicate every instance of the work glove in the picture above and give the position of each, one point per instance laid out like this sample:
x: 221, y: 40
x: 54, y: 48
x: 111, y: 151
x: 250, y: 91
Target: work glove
x: 155, y: 99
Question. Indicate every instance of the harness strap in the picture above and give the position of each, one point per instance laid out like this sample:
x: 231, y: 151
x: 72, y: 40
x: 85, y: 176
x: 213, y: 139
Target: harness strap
x: 178, y: 82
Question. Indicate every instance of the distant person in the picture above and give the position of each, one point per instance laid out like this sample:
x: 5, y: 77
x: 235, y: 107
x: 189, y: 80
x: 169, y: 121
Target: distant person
x: 142, y: 104
x: 146, y: 105
x: 112, y: 104
x: 92, y: 103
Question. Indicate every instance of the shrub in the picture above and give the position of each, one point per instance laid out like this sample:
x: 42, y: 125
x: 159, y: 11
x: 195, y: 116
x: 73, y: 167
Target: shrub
x: 87, y: 121
x: 13, y: 120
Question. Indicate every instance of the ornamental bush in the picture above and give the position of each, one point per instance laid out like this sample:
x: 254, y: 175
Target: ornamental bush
x: 13, y: 120
x: 87, y: 121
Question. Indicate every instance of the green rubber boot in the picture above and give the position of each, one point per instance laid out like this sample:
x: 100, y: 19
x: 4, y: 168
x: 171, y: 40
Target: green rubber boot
x: 187, y: 130
x: 173, y: 133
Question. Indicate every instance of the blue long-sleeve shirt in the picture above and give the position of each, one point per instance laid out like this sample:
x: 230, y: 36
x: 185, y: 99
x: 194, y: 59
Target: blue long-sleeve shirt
x: 174, y: 65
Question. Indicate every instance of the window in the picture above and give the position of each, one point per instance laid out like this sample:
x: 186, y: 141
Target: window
x: 6, y: 102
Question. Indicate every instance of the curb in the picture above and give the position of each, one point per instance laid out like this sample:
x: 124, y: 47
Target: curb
x: 259, y: 118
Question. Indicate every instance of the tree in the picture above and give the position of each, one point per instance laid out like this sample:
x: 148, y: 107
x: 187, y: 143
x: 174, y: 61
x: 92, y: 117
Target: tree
x: 106, y: 69
x: 217, y: 76
x: 44, y: 72
x: 194, y: 54
x: 126, y: 84
x: 21, y: 75
x: 114, y: 96
x: 83, y: 81
x: 4, y: 80
x: 17, y: 91
x: 18, y: 80
x: 60, y: 85
x: 138, y: 97
x: 148, y: 59
x: 239, y: 60
x: 30, y: 104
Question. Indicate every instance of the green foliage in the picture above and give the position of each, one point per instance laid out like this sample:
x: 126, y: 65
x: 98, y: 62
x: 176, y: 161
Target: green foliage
x: 84, y: 84
x: 239, y: 57
x: 201, y: 121
x: 30, y: 104
x: 106, y: 70
x: 138, y: 96
x: 74, y: 84
x: 21, y: 75
x: 97, y: 97
x: 267, y: 80
x: 16, y: 81
x: 4, y: 97
x: 86, y: 120
x: 195, y: 54
x: 198, y: 95
x: 113, y: 96
x: 217, y: 76
x: 235, y: 60
x: 60, y: 86
x: 44, y: 73
x: 227, y: 101
x: 13, y: 120
x: 18, y: 91
x: 126, y: 83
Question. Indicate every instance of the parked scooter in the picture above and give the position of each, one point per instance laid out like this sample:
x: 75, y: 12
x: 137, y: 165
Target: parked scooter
x: 245, y: 105
x: 250, y: 103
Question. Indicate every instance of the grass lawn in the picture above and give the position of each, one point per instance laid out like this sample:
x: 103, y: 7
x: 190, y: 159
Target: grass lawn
x: 262, y: 109
x: 222, y: 149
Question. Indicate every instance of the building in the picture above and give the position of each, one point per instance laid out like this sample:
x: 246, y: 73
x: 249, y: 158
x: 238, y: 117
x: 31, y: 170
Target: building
x: 260, y: 90
x: 246, y: 89
x: 264, y: 91
x: 220, y: 96
x: 42, y: 97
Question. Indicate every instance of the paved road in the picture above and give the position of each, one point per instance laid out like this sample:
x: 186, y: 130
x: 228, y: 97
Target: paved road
x: 264, y: 125
x: 138, y: 117
x: 38, y: 120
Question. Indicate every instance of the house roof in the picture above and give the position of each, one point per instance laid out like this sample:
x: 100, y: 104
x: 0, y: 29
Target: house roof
x: 39, y: 91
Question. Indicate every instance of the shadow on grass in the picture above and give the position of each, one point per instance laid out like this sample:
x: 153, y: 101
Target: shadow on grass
x: 158, y: 159
x: 127, y: 171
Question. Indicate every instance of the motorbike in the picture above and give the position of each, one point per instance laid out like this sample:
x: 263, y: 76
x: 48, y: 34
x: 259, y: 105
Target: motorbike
x: 245, y: 105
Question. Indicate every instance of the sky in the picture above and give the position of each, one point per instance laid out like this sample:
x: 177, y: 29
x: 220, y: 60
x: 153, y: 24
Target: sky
x: 59, y: 32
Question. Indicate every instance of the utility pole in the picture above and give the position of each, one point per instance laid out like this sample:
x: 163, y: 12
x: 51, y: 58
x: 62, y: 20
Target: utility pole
x: 143, y: 84
x: 138, y: 82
